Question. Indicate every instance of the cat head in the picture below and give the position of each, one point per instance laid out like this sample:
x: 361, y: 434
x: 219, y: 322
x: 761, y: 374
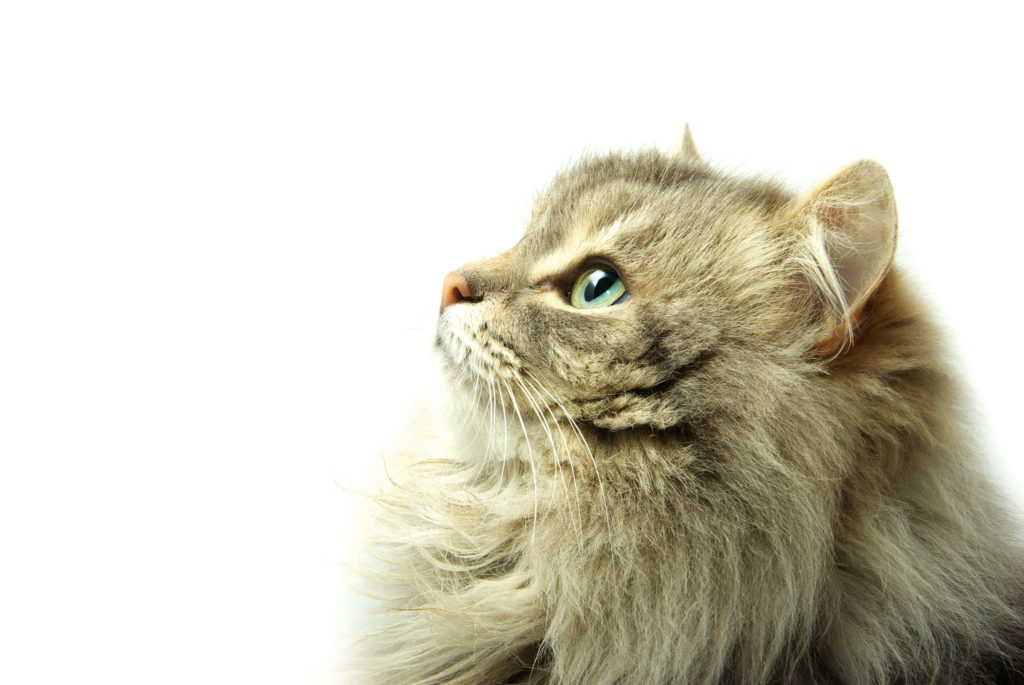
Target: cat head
x: 652, y: 290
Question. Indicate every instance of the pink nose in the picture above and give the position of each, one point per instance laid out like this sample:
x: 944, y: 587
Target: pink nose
x: 455, y: 289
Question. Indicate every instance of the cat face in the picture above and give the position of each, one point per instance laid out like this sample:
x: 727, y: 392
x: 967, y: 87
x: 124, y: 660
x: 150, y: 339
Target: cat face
x: 716, y: 295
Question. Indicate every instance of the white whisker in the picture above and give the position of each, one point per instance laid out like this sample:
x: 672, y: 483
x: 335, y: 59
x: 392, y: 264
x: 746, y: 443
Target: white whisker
x: 504, y: 439
x: 538, y: 411
x: 537, y: 385
x: 533, y: 466
x: 590, y: 453
x: 490, y: 415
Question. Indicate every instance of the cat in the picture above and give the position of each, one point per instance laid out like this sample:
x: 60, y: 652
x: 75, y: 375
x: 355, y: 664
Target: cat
x: 698, y: 429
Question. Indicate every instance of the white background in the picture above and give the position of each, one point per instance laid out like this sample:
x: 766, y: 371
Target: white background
x: 224, y: 228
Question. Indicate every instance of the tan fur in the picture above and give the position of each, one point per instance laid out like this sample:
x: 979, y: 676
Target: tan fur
x: 683, y: 488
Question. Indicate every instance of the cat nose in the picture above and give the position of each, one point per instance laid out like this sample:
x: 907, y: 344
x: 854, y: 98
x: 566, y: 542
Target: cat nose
x: 455, y: 289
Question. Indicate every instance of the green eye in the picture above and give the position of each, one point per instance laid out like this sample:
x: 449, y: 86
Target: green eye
x: 597, y: 287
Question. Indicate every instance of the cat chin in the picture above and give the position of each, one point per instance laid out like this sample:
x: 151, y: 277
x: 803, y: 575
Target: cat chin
x: 483, y: 425
x: 494, y: 428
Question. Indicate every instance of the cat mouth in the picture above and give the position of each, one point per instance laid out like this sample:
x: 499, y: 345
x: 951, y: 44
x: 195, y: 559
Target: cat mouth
x: 487, y: 365
x: 472, y: 346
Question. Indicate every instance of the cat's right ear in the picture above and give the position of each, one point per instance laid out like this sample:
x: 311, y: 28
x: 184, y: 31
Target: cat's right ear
x: 686, y: 148
x: 848, y: 225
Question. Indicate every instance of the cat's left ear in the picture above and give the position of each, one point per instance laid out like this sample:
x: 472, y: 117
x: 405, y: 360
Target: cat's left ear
x: 849, y: 242
x: 686, y: 148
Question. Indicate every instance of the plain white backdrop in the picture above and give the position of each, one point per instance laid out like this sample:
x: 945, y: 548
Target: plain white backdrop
x: 223, y: 228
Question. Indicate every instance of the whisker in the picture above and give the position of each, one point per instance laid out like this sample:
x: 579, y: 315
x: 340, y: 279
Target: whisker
x: 593, y: 460
x: 537, y: 385
x: 490, y: 415
x: 477, y: 392
x: 533, y: 466
x: 504, y: 449
x: 538, y: 411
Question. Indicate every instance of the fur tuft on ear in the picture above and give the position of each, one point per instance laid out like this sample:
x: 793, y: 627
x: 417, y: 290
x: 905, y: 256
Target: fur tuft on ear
x: 686, y: 148
x: 848, y: 228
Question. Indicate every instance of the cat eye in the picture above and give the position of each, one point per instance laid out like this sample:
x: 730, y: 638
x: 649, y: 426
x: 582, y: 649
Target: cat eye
x: 598, y: 286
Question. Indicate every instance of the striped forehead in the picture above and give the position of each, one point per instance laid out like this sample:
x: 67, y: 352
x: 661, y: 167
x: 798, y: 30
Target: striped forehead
x: 579, y: 241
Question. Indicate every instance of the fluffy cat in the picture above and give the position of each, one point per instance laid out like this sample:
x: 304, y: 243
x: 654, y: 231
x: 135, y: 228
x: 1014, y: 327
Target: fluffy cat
x: 697, y: 430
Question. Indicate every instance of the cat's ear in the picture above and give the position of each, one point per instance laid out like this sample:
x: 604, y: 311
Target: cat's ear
x: 686, y: 148
x: 849, y: 228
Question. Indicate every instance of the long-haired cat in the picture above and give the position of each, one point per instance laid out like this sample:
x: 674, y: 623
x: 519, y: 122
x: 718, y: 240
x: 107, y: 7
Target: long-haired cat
x: 697, y: 430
